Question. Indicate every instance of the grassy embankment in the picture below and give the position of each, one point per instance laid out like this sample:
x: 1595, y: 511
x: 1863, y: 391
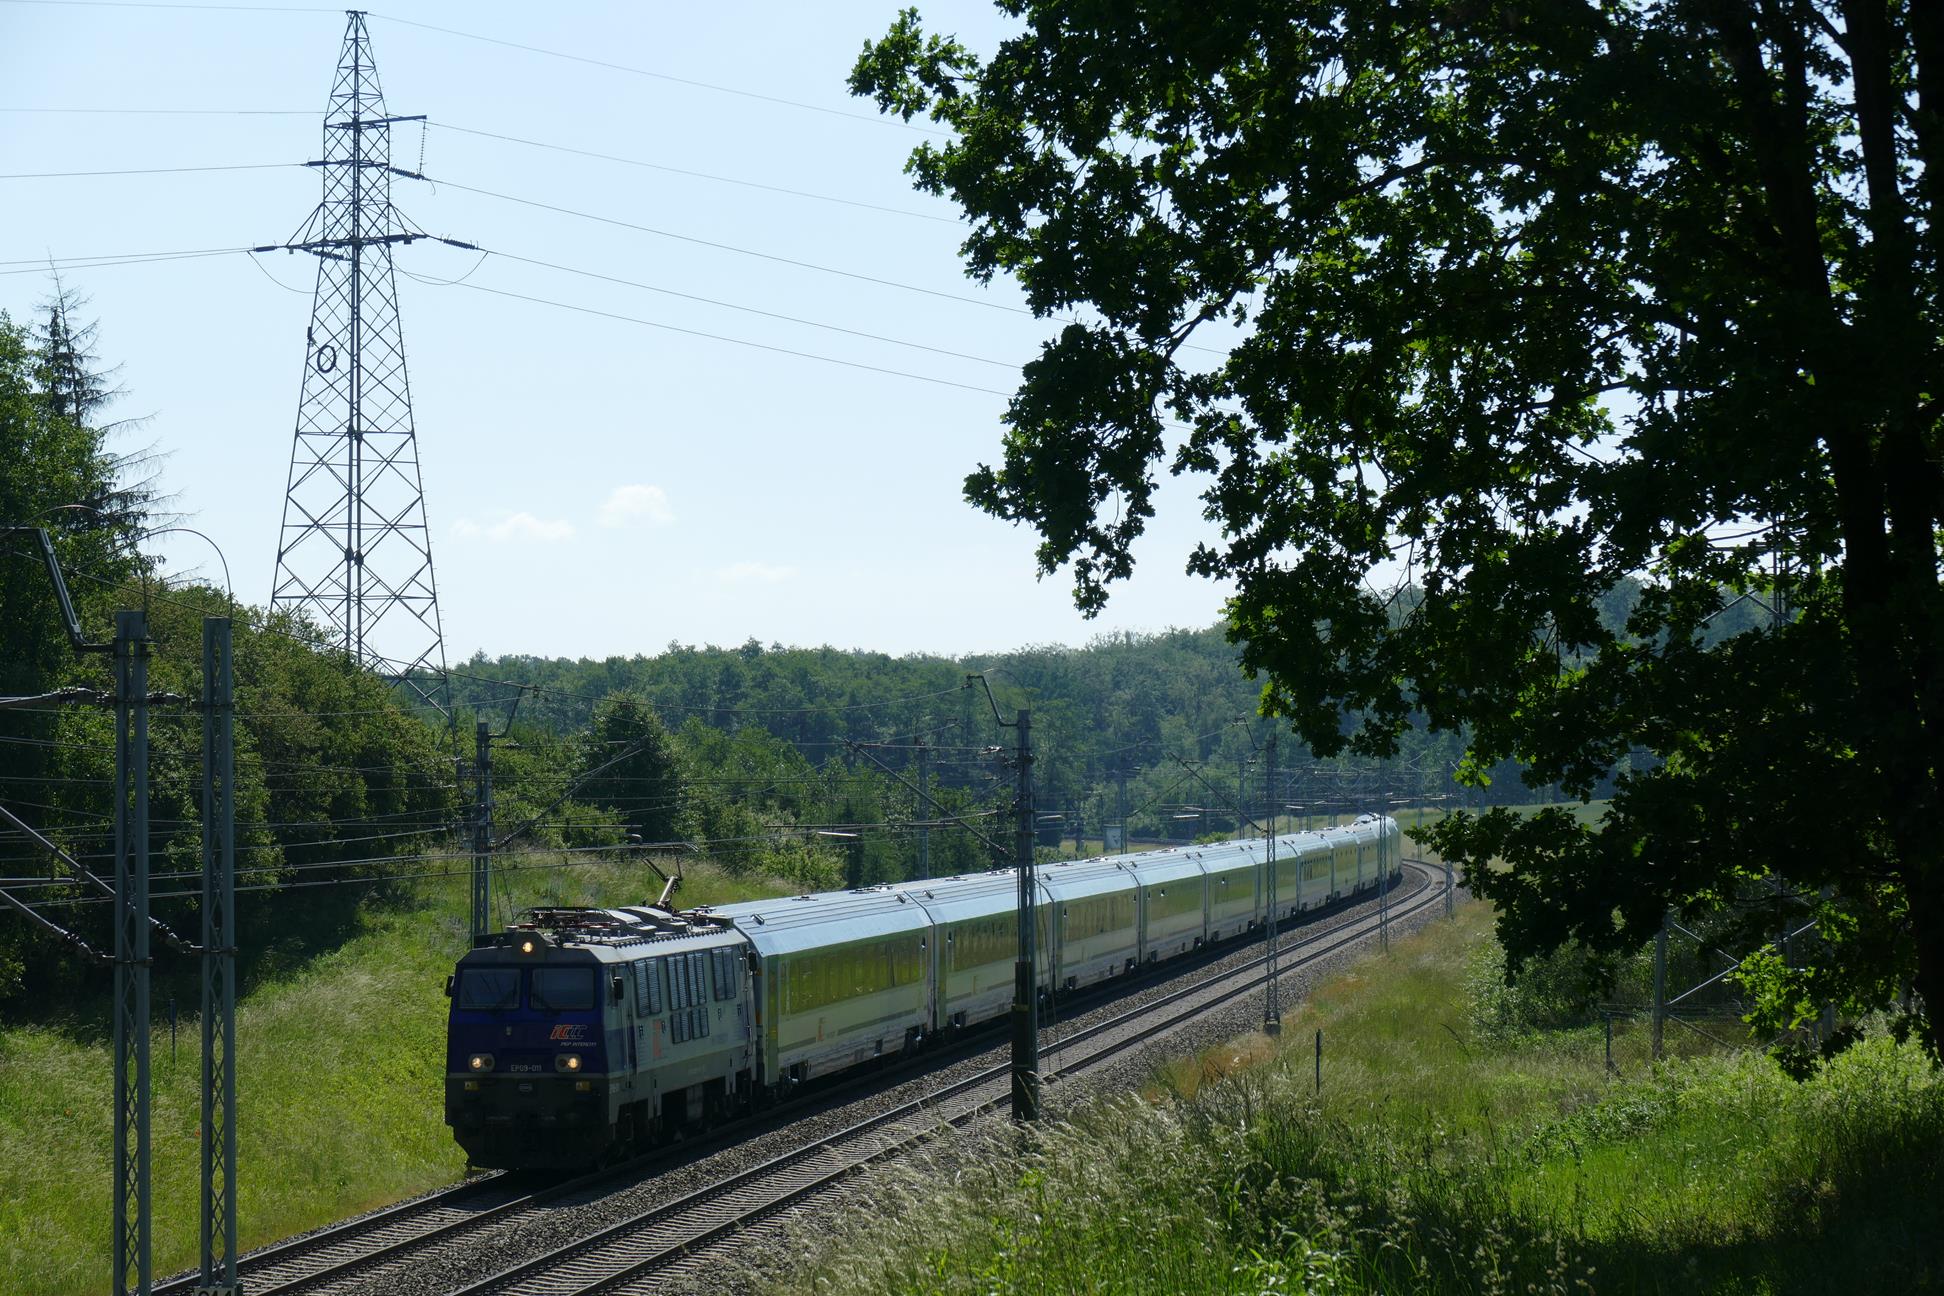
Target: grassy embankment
x: 1445, y: 1153
x: 339, y: 1066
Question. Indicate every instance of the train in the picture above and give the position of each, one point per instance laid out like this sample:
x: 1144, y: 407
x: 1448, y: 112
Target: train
x: 578, y: 1035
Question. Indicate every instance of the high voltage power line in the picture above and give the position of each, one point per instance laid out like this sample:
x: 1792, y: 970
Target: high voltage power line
x: 716, y: 245
x: 643, y: 163
x: 129, y: 171
x: 877, y: 119
x: 696, y: 175
x: 28, y: 266
x: 722, y: 337
x: 752, y: 310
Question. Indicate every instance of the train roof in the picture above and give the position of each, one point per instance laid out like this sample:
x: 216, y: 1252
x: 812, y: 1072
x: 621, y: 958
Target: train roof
x: 785, y: 924
x: 967, y: 895
x: 790, y: 923
x: 1077, y: 879
x: 610, y: 935
x: 1222, y: 857
x: 1153, y: 872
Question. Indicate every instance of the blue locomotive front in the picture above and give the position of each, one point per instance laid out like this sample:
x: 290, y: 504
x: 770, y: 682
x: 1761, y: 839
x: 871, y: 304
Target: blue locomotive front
x: 527, y: 1054
x: 578, y: 1034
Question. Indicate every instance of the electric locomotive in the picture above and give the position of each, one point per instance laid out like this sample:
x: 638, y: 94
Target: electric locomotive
x: 577, y: 1034
x: 580, y: 1034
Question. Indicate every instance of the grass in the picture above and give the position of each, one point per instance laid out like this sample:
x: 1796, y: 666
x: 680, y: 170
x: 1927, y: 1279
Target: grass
x: 339, y: 1066
x: 1440, y: 1156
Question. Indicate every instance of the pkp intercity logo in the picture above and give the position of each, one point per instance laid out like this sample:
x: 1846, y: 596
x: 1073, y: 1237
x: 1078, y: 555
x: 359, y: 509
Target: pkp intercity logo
x: 569, y: 1034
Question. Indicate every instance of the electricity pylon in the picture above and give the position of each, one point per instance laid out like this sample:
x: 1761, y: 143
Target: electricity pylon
x: 355, y: 555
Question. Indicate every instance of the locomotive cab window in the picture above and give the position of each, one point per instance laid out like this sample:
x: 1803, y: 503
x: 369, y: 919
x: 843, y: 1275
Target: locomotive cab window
x: 489, y: 989
x: 562, y: 989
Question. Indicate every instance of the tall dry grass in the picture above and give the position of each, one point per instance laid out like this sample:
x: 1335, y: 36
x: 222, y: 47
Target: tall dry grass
x: 1437, y: 1158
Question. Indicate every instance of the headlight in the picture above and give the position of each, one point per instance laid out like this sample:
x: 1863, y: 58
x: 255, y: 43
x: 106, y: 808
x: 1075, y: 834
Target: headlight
x: 480, y: 1062
x: 526, y: 946
x: 567, y: 1062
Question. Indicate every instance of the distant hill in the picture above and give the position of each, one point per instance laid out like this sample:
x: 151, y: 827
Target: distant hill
x: 1138, y: 703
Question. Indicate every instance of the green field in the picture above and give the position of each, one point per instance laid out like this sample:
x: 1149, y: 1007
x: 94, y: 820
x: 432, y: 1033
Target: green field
x: 1445, y: 1153
x: 339, y: 1066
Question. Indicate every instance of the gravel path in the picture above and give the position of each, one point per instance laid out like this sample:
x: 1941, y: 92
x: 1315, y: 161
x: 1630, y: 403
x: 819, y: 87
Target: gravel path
x: 443, y: 1267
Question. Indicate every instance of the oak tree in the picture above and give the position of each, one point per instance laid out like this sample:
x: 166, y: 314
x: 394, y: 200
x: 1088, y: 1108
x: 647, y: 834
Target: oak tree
x: 1467, y: 312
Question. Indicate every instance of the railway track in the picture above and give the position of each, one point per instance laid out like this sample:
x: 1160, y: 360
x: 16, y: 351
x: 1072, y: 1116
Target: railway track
x: 331, y: 1252
x: 682, y: 1229
x: 673, y: 1239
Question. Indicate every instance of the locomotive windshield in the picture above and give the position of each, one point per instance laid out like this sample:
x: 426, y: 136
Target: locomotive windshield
x: 562, y: 989
x: 489, y: 988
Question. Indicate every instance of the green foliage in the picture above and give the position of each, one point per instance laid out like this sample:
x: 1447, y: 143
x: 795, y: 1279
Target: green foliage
x: 628, y: 763
x: 1124, y: 701
x: 1435, y: 1160
x: 337, y: 782
x: 1468, y: 315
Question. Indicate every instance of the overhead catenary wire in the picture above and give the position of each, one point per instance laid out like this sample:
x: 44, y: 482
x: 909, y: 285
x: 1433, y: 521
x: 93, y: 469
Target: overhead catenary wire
x: 615, y: 849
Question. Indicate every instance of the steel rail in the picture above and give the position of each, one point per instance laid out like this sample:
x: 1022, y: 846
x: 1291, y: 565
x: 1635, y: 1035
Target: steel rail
x: 266, y: 1260
x: 587, y: 1265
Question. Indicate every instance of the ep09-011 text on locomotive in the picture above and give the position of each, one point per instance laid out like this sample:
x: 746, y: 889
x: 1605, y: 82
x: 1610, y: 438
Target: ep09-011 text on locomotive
x: 579, y: 1033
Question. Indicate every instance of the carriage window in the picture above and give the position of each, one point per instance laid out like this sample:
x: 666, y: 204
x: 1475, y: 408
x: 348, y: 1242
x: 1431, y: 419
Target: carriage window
x: 563, y: 989
x: 489, y: 989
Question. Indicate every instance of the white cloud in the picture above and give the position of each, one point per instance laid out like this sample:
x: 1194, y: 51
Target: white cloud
x: 755, y: 573
x: 626, y: 505
x: 516, y: 526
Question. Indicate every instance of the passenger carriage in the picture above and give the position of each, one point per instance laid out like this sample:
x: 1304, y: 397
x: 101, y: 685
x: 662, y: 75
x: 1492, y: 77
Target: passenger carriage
x: 1235, y: 886
x: 1317, y: 867
x: 843, y: 977
x: 1096, y: 923
x: 1174, y: 903
x: 974, y: 944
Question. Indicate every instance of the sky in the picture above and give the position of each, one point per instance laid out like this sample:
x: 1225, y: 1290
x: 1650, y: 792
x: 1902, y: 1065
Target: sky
x: 593, y: 486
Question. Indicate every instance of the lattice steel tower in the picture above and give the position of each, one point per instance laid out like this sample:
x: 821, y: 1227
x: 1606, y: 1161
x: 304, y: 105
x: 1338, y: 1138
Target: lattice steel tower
x: 355, y: 555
